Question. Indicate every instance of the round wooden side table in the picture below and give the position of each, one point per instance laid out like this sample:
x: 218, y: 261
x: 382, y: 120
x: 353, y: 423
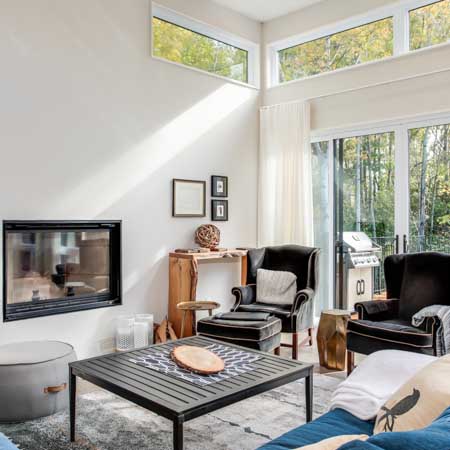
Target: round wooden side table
x: 191, y: 308
x: 332, y: 337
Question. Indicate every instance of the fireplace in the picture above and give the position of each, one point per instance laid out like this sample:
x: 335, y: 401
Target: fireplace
x: 58, y: 267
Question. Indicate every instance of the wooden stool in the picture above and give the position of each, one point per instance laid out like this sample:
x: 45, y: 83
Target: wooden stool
x: 331, y: 338
x: 192, y: 307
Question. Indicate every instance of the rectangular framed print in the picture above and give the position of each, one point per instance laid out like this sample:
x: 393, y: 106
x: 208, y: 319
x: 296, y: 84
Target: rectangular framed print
x: 219, y: 210
x: 219, y: 186
x: 188, y: 198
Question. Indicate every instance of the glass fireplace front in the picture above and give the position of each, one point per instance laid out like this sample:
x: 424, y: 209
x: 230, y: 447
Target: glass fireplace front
x: 57, y: 267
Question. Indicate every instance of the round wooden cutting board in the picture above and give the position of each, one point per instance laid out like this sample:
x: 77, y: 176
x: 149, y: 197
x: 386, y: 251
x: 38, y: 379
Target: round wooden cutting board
x: 197, y: 359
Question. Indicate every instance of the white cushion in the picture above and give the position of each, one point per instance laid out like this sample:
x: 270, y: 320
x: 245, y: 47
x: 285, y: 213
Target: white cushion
x: 419, y: 401
x: 378, y: 376
x: 275, y: 287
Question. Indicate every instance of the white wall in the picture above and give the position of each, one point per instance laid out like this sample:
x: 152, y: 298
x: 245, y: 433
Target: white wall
x: 422, y: 95
x: 92, y: 127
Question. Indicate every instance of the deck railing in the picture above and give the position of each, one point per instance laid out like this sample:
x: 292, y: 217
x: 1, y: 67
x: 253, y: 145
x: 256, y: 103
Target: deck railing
x: 416, y: 243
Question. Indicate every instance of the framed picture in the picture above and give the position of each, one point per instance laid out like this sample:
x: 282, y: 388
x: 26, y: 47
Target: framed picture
x: 188, y: 198
x: 219, y: 186
x: 219, y: 210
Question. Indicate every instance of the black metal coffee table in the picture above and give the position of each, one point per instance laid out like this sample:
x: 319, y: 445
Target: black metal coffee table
x: 178, y: 400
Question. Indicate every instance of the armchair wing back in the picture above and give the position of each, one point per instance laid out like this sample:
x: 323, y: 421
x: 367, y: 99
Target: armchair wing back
x: 418, y: 280
x: 301, y: 261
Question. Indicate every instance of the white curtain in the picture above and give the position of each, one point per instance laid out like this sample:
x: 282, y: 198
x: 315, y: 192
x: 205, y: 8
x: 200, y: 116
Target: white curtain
x: 285, y: 204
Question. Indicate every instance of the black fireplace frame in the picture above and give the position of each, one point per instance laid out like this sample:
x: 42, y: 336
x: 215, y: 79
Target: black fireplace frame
x: 21, y: 311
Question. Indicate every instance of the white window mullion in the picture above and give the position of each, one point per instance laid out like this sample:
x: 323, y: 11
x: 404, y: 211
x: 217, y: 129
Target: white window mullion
x: 401, y: 32
x: 401, y: 185
x: 331, y: 236
x: 273, y: 66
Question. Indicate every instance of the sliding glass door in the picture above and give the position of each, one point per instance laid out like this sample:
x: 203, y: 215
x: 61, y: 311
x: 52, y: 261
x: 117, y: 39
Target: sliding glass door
x: 390, y: 183
x: 364, y: 203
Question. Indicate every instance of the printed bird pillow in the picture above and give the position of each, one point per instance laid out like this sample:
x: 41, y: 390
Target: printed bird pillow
x: 419, y: 401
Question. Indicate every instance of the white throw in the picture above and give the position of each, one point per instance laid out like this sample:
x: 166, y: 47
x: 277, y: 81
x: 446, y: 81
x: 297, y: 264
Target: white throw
x: 442, y: 312
x: 374, y: 381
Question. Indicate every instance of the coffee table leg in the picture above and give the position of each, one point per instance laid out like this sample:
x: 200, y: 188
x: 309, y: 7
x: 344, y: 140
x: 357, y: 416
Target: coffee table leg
x: 73, y: 395
x: 309, y: 396
x: 178, y: 442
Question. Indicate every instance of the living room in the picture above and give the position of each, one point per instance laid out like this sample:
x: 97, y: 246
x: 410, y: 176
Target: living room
x: 167, y: 164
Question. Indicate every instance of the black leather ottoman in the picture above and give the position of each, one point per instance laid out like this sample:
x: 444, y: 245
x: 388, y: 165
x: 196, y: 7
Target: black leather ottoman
x: 259, y: 331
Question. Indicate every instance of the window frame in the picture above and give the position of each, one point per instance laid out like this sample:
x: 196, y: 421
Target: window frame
x: 398, y: 11
x: 206, y: 30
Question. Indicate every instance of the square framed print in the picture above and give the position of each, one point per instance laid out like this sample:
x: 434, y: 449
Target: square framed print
x: 188, y: 198
x: 219, y: 210
x: 219, y: 186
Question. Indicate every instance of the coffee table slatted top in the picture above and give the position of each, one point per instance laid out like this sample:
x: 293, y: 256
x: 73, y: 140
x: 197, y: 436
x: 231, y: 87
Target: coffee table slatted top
x: 172, y: 397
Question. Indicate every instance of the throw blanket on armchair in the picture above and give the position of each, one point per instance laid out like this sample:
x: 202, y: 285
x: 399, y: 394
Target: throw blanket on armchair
x: 443, y: 332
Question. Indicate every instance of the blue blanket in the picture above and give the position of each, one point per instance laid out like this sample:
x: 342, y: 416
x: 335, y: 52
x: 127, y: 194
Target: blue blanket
x: 434, y: 437
x: 333, y: 423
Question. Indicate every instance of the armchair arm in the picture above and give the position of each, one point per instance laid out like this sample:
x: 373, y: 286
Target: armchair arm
x: 244, y: 295
x: 302, y: 312
x: 377, y: 310
x: 301, y: 297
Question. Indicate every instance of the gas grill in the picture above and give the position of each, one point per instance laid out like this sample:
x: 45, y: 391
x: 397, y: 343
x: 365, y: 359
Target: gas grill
x: 361, y: 256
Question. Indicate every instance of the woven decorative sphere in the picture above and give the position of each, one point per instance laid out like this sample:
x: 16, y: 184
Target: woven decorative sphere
x: 207, y: 236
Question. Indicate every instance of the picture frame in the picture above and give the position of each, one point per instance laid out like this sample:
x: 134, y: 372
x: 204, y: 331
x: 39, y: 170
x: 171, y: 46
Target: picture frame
x: 219, y: 186
x: 219, y: 210
x: 188, y: 198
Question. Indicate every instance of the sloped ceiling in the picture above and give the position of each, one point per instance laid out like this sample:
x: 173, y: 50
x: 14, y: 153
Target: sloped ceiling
x: 264, y: 10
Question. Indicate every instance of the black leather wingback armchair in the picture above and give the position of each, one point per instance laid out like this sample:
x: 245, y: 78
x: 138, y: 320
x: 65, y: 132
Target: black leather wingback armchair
x: 303, y: 262
x: 413, y: 281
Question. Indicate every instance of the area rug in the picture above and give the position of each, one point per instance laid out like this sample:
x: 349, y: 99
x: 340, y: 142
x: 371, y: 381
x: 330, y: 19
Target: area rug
x: 107, y: 422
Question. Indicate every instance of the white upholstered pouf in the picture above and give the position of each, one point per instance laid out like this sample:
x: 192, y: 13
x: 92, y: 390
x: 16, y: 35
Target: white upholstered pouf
x: 34, y: 379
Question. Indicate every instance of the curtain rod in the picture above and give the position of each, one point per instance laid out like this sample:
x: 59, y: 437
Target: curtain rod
x: 359, y: 88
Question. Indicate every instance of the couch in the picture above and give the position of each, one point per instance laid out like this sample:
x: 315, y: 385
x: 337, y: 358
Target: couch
x: 356, y: 402
x: 333, y: 423
x: 339, y: 422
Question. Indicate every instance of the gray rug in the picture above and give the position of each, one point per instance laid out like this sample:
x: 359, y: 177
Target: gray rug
x: 107, y: 422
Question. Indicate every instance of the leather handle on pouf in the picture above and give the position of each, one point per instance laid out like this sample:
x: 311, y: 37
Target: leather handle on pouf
x: 55, y: 389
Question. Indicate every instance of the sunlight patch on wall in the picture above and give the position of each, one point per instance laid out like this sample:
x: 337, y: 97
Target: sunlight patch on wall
x: 136, y: 276
x: 106, y: 187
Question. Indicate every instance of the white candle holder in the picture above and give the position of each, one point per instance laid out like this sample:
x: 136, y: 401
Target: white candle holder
x: 125, y: 333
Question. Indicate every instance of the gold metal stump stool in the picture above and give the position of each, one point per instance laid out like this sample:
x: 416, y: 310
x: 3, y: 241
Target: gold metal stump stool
x: 192, y: 307
x: 331, y: 338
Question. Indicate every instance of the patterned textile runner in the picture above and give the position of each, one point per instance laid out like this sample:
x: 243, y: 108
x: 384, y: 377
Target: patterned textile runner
x: 236, y: 362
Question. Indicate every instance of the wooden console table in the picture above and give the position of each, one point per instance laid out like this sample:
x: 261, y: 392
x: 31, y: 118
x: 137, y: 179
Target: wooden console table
x: 183, y: 279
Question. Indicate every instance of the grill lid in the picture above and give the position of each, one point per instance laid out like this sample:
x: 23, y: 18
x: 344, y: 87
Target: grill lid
x: 357, y: 241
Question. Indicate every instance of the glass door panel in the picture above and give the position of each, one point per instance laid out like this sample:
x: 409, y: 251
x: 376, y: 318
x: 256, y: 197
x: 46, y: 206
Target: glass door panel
x: 429, y: 189
x: 322, y: 223
x: 365, y: 192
